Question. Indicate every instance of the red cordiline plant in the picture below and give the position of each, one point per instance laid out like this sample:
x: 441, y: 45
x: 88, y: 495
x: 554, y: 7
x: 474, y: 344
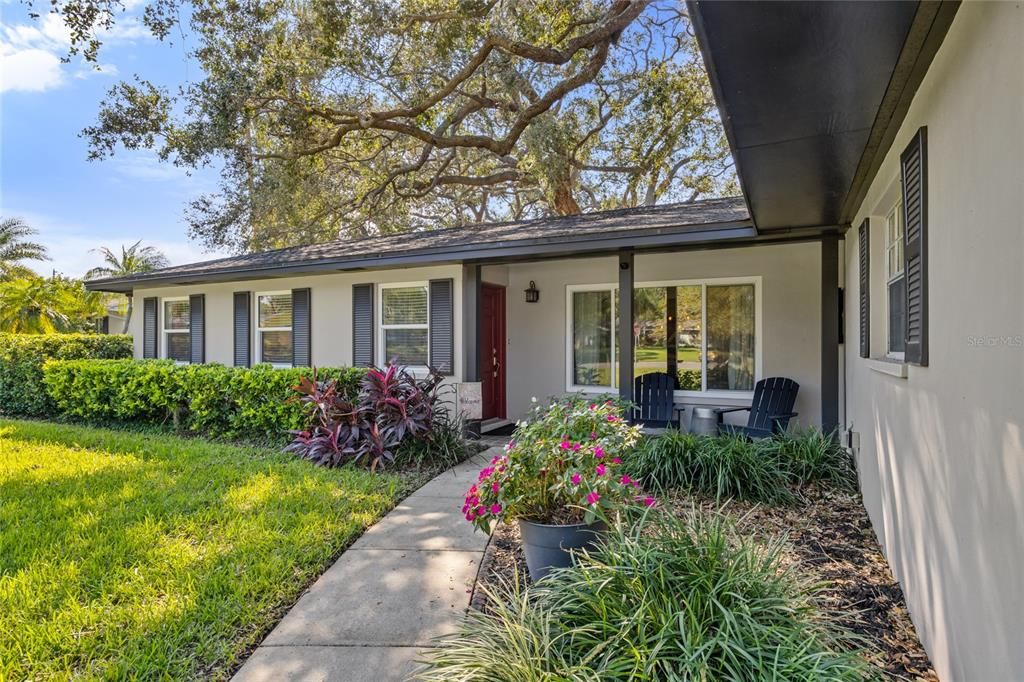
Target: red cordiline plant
x: 392, y: 404
x: 562, y: 466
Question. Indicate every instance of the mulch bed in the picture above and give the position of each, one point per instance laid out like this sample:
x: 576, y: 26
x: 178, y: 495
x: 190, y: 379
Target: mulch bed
x: 829, y: 539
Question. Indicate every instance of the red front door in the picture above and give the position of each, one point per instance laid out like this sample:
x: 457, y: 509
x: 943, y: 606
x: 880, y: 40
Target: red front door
x: 492, y: 350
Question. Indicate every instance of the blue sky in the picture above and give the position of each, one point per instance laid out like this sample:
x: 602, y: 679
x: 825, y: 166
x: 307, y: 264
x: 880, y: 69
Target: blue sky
x: 78, y: 205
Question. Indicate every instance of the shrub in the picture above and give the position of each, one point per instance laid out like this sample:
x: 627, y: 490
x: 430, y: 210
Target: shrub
x: 811, y: 456
x: 562, y: 466
x: 210, y: 399
x: 727, y: 466
x: 671, y: 599
x: 21, y: 365
x: 444, y: 447
x: 392, y: 406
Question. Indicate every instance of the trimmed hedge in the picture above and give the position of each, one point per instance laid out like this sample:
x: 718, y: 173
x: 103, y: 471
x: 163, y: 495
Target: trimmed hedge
x: 211, y: 399
x: 21, y: 365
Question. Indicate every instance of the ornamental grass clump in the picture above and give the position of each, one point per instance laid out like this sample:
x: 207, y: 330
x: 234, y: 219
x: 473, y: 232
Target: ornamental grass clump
x: 724, y: 467
x: 812, y: 456
x: 668, y: 598
x: 564, y: 465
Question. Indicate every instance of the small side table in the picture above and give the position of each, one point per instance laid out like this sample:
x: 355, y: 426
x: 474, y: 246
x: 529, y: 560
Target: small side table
x: 704, y: 421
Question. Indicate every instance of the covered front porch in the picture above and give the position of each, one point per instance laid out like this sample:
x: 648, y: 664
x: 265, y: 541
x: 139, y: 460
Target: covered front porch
x: 716, y: 318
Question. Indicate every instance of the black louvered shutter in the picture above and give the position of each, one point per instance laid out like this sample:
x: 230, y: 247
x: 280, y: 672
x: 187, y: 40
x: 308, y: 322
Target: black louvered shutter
x: 197, y: 328
x: 362, y: 325
x: 864, y: 258
x: 150, y: 343
x: 442, y: 325
x: 914, y: 176
x: 302, y: 328
x: 243, y: 329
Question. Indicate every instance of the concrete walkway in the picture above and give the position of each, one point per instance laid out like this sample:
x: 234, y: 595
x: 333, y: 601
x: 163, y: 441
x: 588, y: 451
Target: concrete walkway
x: 407, y: 580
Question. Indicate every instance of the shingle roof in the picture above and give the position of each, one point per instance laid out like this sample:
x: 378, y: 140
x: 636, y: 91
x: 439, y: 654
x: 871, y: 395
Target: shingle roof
x: 590, y: 232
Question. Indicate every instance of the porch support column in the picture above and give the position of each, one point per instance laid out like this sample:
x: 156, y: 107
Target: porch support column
x: 625, y: 344
x: 471, y: 333
x: 829, y: 333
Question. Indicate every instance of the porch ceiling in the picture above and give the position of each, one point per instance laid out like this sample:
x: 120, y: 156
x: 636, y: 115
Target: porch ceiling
x: 809, y: 92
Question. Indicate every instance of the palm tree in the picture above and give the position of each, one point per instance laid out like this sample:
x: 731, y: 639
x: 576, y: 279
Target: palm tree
x: 14, y: 248
x: 133, y: 260
x: 32, y: 305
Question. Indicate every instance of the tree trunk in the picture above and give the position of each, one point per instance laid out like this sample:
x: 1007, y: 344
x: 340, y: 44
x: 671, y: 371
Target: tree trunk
x: 127, y: 316
x: 562, y: 199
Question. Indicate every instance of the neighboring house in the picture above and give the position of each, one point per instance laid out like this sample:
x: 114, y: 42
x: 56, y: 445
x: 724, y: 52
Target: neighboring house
x: 880, y: 148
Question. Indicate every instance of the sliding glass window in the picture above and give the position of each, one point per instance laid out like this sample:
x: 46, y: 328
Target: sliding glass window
x: 700, y: 333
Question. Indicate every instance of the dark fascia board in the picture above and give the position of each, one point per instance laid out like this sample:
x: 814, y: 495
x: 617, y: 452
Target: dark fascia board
x: 569, y: 247
x: 697, y: 21
x: 928, y: 30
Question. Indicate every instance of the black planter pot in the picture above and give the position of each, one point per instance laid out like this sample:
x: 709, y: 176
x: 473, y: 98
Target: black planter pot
x: 549, y: 546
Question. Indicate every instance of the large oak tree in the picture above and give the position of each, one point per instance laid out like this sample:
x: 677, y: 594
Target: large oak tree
x: 373, y: 116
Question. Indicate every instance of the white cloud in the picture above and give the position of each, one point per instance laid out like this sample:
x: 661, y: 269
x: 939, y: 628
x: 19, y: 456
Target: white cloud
x: 30, y: 54
x: 31, y: 70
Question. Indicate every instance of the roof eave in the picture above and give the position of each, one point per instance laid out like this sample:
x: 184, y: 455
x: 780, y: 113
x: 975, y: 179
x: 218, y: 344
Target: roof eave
x: 587, y: 245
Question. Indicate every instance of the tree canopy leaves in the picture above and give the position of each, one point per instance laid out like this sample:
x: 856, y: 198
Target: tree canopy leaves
x: 373, y: 116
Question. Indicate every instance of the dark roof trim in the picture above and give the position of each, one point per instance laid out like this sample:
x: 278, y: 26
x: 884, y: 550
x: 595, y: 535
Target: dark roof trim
x: 587, y: 244
x: 716, y: 88
x: 928, y: 30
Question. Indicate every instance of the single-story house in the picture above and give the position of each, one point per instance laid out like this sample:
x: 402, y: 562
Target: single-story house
x: 528, y: 309
x: 875, y: 257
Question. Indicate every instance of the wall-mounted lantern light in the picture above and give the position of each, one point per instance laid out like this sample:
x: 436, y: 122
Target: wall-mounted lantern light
x: 533, y: 293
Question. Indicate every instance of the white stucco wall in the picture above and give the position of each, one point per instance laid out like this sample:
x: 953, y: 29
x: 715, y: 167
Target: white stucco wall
x: 332, y: 310
x: 942, y: 451
x: 791, y: 313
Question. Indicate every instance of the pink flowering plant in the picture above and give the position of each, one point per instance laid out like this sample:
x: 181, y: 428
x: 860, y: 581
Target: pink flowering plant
x: 562, y: 466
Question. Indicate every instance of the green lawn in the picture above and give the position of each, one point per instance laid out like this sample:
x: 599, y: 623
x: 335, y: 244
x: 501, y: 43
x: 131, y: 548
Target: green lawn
x: 126, y: 555
x: 660, y: 354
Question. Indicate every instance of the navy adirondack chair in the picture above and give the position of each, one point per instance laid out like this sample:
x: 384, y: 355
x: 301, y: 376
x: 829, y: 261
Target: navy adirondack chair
x: 654, y: 395
x: 770, y: 411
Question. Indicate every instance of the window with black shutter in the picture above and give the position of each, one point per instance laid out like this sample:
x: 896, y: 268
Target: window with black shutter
x: 864, y: 258
x: 914, y: 179
x: 442, y: 325
x: 302, y: 328
x: 362, y: 325
x: 243, y: 328
x: 197, y: 323
x: 150, y: 308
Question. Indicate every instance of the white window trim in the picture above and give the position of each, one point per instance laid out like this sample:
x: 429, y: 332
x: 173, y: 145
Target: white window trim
x: 703, y: 283
x: 381, y: 327
x: 259, y: 329
x: 896, y: 209
x: 165, y: 331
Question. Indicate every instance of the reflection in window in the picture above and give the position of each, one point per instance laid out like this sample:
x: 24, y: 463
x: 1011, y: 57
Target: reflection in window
x: 177, y: 330
x: 404, y: 324
x: 592, y: 338
x: 689, y: 337
x: 730, y: 314
x: 703, y: 335
x: 274, y: 328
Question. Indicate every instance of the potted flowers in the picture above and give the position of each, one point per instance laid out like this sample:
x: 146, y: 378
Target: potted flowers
x: 559, y: 477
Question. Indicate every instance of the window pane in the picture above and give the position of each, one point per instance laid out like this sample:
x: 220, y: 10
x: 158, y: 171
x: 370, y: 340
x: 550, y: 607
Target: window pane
x: 276, y: 347
x: 406, y: 305
x: 408, y: 345
x: 176, y: 315
x: 276, y: 311
x: 179, y: 346
x: 592, y: 338
x: 650, y: 331
x: 730, y: 313
x: 897, y: 315
x: 688, y: 337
